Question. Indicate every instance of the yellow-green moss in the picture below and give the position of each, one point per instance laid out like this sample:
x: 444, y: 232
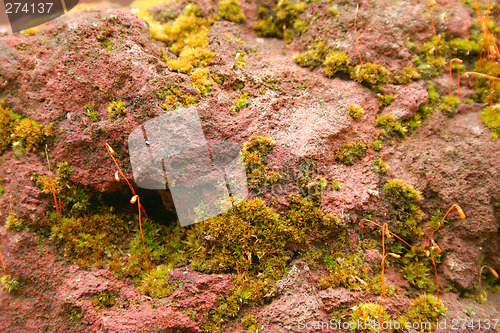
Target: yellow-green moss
x: 201, y: 80
x: 425, y: 309
x: 9, y: 283
x: 190, y: 58
x: 351, y: 152
x: 380, y: 166
x: 407, y: 75
x: 385, y: 100
x: 231, y: 10
x: 336, y: 62
x: 449, y: 105
x: 369, y: 313
x: 313, y: 57
x: 491, y: 119
x: 116, y: 109
x: 156, y: 285
x: 90, y: 112
x: 390, y: 125
x: 175, y: 98
x: 283, y: 22
x: 377, y: 145
x: 255, y: 153
x: 104, y: 300
x: 14, y: 223
x: 241, y: 103
x: 342, y: 268
x: 486, y: 89
x: 6, y: 127
x: 356, y: 111
x: 189, y: 29
x: 371, y: 75
x: 405, y: 213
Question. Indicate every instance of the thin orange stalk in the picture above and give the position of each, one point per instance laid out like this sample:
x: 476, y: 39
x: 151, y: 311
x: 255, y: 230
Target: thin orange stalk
x: 133, y: 200
x: 482, y: 75
x: 58, y: 204
x: 430, y: 4
x: 435, y: 272
x: 111, y: 153
x: 356, y: 33
x: 451, y: 78
x: 460, y: 212
x: 3, y: 263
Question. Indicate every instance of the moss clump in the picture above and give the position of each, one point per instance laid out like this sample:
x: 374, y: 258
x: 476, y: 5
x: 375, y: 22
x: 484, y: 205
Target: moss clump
x: 90, y: 112
x: 313, y: 57
x: 156, y: 285
x: 14, y: 223
x: 380, y: 166
x: 201, y: 80
x: 231, y: 10
x: 385, y: 100
x: 425, y: 309
x: 175, y: 98
x: 283, y: 22
x: 356, y: 111
x: 23, y: 133
x: 371, y: 75
x: 351, y: 152
x: 449, y: 105
x: 189, y: 29
x: 430, y: 61
x: 255, y: 153
x: 342, y: 268
x: 408, y: 75
x: 491, y: 119
x: 250, y: 323
x: 104, y: 300
x: 116, y: 109
x: 369, y: 313
x: 6, y: 126
x: 336, y: 62
x: 377, y: 145
x: 390, y: 125
x: 406, y: 213
x: 10, y: 283
x: 251, y: 236
x: 241, y: 103
x: 91, y: 239
x: 190, y: 58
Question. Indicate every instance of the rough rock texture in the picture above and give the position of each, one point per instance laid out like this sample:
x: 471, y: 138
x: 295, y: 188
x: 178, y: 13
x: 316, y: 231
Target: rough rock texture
x: 52, y: 75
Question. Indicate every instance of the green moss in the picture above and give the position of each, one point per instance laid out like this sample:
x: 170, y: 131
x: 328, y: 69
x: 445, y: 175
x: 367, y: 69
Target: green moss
x: 29, y: 134
x: 449, y: 105
x: 377, y: 145
x: 175, y: 98
x: 406, y: 213
x: 104, y: 300
x: 486, y: 89
x: 342, y: 268
x: 14, y: 223
x: 241, y: 103
x: 75, y: 313
x: 371, y: 313
x: 116, y: 109
x: 190, y: 58
x: 356, y: 111
x: 283, y: 21
x: 241, y: 59
x: 385, y: 100
x: 188, y: 30
x: 425, y: 309
x: 91, y: 112
x: 9, y: 283
x: 435, y: 219
x: 390, y: 125
x: 201, y: 80
x: 371, y: 75
x: 156, y: 285
x: 491, y: 119
x: 250, y: 323
x: 431, y: 60
x: 350, y: 152
x: 418, y: 274
x: 231, y: 10
x: 408, y: 75
x: 313, y: 57
x: 91, y: 239
x: 336, y: 62
x: 380, y: 166
x: 255, y: 153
